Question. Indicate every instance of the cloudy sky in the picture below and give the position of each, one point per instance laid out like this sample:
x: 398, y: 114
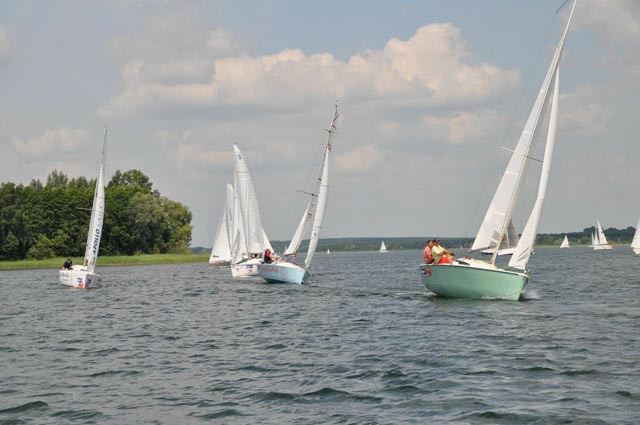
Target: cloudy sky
x: 428, y: 93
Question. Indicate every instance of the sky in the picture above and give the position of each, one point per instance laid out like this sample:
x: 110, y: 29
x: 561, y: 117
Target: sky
x: 428, y: 93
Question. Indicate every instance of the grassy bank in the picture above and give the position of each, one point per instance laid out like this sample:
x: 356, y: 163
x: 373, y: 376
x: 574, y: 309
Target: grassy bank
x: 116, y: 260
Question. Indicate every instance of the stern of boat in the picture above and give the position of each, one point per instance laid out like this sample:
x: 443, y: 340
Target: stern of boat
x: 79, y: 278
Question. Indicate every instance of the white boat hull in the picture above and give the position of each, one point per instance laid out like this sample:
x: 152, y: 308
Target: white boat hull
x: 602, y: 247
x: 220, y: 263
x: 636, y: 250
x: 79, y: 277
x: 248, y: 268
x: 283, y: 272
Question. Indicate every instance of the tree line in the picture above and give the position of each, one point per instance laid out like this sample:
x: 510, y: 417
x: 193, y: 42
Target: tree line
x: 52, y: 219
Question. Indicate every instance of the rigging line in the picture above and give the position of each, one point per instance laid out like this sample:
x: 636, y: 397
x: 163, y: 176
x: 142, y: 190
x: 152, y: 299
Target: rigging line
x: 513, y: 115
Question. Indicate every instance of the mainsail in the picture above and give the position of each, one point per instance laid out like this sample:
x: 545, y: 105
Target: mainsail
x: 601, y: 238
x: 253, y: 231
x: 499, y: 213
x: 221, y: 251
x: 97, y: 214
x: 636, y: 237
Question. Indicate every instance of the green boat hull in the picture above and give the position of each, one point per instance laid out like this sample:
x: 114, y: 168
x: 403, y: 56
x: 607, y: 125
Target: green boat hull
x: 464, y: 281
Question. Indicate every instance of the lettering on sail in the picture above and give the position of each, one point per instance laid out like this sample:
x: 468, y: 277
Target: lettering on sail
x: 96, y: 236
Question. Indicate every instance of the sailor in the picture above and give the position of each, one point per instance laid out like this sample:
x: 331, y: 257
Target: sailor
x: 68, y: 265
x: 440, y: 253
x: 266, y: 256
x: 428, y: 255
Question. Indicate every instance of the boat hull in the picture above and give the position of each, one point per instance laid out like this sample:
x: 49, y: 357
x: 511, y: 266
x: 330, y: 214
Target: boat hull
x: 602, y: 247
x: 79, y: 278
x: 248, y: 268
x: 636, y: 250
x: 283, y: 272
x: 220, y: 263
x: 467, y: 281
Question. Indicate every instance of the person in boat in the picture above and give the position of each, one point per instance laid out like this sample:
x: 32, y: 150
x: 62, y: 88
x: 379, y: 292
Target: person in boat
x: 266, y: 256
x: 440, y: 254
x: 428, y: 252
x: 68, y: 265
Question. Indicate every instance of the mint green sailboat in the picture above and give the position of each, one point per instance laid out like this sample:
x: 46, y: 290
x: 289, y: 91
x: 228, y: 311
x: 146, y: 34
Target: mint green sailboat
x: 474, y: 278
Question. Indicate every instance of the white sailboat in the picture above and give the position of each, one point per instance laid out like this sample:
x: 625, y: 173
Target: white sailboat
x: 599, y: 240
x: 565, y: 242
x: 473, y: 278
x: 383, y: 248
x: 635, y: 244
x: 287, y: 271
x: 84, y: 276
x: 328, y: 251
x: 245, y: 259
x: 221, y: 248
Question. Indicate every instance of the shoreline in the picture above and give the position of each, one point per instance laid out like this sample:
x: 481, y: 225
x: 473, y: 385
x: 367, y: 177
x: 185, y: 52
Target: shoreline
x: 108, y: 261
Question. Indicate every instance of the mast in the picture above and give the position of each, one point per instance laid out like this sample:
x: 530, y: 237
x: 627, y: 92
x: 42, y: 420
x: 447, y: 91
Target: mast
x: 529, y: 132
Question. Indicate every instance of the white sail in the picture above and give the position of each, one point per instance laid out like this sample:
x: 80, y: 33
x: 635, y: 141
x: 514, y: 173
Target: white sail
x: 524, y: 248
x: 593, y: 239
x: 265, y: 241
x: 221, y: 251
x: 636, y: 237
x: 602, y: 239
x: 97, y: 214
x: 294, y: 245
x: 323, y: 194
x: 565, y: 242
x: 499, y: 212
x: 253, y: 231
x: 383, y: 247
x: 237, y: 240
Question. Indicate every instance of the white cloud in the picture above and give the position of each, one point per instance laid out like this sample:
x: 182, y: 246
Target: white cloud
x: 462, y: 127
x: 182, y: 149
x: 433, y: 67
x: 61, y: 141
x: 360, y: 160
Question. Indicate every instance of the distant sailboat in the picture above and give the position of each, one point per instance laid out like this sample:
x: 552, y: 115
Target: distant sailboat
x: 635, y: 244
x: 383, y: 248
x: 565, y: 242
x: 328, y: 251
x: 221, y: 249
x: 599, y: 240
x: 287, y: 271
x: 246, y: 257
x: 84, y: 276
x: 474, y: 278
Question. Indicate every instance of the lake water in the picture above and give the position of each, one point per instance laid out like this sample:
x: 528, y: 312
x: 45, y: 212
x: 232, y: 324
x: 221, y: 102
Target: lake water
x: 363, y: 343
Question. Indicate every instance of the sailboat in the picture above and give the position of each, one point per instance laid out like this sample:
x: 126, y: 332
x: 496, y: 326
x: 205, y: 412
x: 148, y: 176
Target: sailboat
x: 252, y: 241
x: 84, y: 276
x: 635, y: 244
x: 598, y: 239
x: 474, y: 278
x: 383, y: 248
x: 221, y: 248
x: 287, y: 271
x: 565, y: 242
x: 328, y: 251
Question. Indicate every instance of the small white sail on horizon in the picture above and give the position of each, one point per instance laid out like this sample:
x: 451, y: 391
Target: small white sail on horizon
x: 565, y: 242
x: 383, y: 247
